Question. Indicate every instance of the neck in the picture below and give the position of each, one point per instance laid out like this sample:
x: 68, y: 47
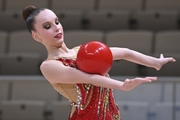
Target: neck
x: 58, y: 51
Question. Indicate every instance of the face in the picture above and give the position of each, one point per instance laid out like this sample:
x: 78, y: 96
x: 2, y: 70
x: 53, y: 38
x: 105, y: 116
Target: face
x: 48, y: 29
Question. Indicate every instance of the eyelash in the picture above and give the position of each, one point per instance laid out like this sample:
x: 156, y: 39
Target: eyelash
x: 49, y: 26
x: 57, y: 22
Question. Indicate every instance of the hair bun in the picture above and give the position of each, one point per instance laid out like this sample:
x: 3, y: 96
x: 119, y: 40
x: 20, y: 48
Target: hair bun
x: 27, y: 11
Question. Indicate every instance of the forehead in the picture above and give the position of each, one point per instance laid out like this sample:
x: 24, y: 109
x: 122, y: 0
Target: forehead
x: 45, y: 15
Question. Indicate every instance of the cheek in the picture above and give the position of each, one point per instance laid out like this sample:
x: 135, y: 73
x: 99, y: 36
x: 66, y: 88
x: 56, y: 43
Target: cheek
x: 47, y: 35
x: 43, y: 34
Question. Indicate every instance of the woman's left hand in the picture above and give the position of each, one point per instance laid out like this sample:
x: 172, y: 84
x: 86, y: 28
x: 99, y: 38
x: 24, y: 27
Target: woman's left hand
x: 164, y: 60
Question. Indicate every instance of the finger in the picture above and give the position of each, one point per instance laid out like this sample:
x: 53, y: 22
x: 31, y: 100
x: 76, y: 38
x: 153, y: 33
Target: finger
x: 140, y: 80
x: 128, y: 80
x: 147, y: 79
x: 152, y: 78
x: 172, y: 59
x: 161, y: 56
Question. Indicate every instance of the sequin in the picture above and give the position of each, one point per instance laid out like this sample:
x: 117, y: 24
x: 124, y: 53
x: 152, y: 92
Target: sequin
x: 93, y: 102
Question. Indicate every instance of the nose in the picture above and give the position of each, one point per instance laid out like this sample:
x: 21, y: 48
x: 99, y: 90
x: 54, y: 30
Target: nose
x: 57, y: 28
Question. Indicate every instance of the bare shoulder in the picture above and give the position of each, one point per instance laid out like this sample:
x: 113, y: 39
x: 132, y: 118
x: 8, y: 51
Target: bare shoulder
x: 51, y: 68
x: 51, y: 65
x: 56, y: 72
x: 48, y: 64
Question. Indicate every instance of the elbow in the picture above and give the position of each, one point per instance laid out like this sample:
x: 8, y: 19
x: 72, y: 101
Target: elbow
x: 127, y: 53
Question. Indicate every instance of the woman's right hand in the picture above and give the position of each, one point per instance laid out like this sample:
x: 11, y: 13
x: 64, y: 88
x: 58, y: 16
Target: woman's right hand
x: 129, y: 84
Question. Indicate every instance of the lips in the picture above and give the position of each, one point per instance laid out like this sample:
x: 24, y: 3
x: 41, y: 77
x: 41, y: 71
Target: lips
x: 59, y: 35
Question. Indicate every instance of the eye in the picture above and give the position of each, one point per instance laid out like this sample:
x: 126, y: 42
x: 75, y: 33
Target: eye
x: 57, y: 22
x: 46, y: 26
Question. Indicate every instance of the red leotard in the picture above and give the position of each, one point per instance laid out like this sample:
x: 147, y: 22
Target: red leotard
x: 93, y: 102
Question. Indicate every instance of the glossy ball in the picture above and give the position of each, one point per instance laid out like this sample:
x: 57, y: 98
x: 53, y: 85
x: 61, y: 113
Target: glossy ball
x: 94, y: 57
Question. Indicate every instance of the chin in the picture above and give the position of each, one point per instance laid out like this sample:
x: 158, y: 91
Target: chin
x: 60, y: 43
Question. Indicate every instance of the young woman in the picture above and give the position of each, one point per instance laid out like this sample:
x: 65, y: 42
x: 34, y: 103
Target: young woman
x: 91, y: 95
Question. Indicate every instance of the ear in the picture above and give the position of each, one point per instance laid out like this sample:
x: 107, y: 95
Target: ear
x: 35, y: 37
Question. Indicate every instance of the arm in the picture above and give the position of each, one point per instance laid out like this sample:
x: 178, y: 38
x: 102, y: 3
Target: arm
x: 139, y: 58
x: 55, y: 72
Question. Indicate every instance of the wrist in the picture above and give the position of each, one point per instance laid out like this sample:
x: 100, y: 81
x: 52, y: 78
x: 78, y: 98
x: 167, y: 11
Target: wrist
x: 158, y: 65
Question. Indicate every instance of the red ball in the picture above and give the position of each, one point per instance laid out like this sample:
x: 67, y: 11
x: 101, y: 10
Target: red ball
x: 94, y: 57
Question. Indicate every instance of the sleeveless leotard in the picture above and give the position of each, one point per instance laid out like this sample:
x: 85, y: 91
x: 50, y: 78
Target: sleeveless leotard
x: 88, y: 102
